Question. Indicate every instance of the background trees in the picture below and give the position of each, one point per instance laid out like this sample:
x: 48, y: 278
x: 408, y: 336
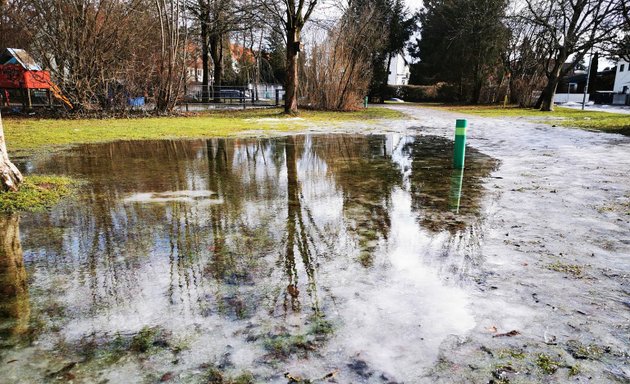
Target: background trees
x: 461, y: 43
x: 568, y: 30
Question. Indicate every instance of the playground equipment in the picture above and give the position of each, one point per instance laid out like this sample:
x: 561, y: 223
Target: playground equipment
x: 24, y: 82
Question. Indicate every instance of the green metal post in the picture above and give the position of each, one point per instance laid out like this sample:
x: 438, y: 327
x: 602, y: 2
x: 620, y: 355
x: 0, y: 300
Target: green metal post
x: 460, y: 144
x: 365, y: 102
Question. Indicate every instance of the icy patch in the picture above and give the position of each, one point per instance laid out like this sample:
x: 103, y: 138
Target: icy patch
x: 172, y: 196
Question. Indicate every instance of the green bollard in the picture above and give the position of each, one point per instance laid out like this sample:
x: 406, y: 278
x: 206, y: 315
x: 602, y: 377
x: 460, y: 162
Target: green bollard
x: 365, y: 102
x: 460, y: 144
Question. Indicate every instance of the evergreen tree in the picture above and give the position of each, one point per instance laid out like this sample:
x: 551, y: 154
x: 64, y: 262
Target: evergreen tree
x: 461, y: 43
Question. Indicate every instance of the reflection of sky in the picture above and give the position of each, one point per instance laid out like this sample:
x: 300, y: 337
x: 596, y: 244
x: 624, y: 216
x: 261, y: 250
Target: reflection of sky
x: 149, y: 264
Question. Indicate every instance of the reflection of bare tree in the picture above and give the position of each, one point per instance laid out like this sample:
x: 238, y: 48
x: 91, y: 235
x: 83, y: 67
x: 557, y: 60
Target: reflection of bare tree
x: 364, y: 170
x: 297, y: 238
x: 14, y: 300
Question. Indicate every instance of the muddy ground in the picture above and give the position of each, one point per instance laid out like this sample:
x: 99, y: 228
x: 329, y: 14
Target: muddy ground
x: 528, y: 284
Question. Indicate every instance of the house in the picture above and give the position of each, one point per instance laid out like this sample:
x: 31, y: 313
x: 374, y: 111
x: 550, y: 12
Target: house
x: 622, y: 77
x: 622, y: 83
x: 398, y: 71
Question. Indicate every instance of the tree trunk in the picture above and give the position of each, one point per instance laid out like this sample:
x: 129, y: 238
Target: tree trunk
x: 205, y: 62
x: 10, y: 176
x: 216, y: 50
x: 545, y: 102
x: 14, y: 301
x: 291, y: 91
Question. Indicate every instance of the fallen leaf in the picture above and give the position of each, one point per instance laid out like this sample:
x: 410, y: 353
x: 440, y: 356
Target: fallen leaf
x: 492, y: 329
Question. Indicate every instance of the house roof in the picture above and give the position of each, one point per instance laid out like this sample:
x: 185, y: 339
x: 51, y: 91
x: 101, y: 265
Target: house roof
x: 19, y: 56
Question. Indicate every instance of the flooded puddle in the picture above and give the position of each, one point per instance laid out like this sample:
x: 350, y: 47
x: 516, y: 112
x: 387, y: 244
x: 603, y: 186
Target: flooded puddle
x: 308, y: 257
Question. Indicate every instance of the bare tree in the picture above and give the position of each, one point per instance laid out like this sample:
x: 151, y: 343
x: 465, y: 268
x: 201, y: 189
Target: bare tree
x: 93, y: 49
x: 10, y: 176
x: 569, y: 29
x: 291, y: 15
x: 339, y: 70
x: 172, y: 55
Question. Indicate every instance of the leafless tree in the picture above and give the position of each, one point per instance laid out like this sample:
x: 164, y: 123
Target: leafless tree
x: 94, y: 49
x: 10, y: 176
x: 291, y: 15
x: 569, y: 29
x: 339, y: 70
x: 172, y: 55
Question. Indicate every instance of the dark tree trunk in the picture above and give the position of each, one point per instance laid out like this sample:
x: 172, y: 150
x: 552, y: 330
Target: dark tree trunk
x: 292, y: 83
x: 205, y: 62
x: 216, y: 50
x: 592, y: 81
x: 545, y: 102
x: 10, y: 176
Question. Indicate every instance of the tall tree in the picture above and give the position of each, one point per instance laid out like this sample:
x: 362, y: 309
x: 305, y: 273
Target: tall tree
x: 461, y: 42
x: 172, y: 54
x: 569, y: 29
x: 10, y: 176
x: 291, y: 15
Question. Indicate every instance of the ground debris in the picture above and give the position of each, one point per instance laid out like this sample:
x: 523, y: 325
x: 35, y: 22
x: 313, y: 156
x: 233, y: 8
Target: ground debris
x: 512, y: 333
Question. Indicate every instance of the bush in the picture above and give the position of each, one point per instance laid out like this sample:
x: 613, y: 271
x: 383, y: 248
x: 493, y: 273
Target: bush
x: 440, y: 92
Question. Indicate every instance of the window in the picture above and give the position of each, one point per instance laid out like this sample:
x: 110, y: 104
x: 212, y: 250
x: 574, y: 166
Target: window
x: 621, y: 67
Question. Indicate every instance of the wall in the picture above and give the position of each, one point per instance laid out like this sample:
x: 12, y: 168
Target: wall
x: 622, y: 78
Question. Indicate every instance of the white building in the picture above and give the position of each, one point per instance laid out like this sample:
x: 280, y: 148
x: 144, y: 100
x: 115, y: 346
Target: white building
x: 398, y: 71
x: 622, y: 77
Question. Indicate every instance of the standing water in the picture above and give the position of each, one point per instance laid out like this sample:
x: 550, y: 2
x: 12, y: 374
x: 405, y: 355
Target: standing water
x: 243, y: 260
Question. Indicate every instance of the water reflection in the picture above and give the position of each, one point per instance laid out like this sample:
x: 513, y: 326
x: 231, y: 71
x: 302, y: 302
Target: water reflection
x: 14, y: 300
x: 239, y: 239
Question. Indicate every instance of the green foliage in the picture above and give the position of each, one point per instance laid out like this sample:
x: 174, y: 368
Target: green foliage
x: 461, y: 43
x: 548, y: 364
x: 146, y: 339
x: 274, y: 59
x: 37, y: 193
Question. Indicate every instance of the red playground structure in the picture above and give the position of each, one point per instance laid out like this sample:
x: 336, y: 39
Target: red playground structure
x: 24, y: 83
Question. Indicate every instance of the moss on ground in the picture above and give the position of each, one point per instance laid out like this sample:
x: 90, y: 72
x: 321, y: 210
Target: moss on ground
x: 569, y: 269
x: 26, y: 135
x: 37, y: 193
x: 548, y: 364
x: 568, y: 117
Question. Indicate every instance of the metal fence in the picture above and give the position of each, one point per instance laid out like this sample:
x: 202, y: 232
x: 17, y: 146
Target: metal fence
x: 199, y: 97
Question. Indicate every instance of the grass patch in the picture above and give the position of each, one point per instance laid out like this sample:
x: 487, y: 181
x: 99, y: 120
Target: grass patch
x: 37, y: 193
x: 568, y: 117
x: 547, y: 364
x: 30, y: 134
x: 569, y: 269
x: 216, y: 376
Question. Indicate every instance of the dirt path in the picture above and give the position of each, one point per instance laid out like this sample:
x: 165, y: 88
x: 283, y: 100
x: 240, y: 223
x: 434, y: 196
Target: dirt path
x: 556, y: 255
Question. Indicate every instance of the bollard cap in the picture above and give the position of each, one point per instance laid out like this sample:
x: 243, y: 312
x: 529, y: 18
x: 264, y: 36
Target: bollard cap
x: 461, y: 123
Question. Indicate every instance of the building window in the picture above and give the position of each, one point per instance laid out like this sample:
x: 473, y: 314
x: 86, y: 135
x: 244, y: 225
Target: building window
x: 621, y: 67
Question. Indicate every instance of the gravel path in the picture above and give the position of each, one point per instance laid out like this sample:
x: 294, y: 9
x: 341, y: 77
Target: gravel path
x: 555, y: 251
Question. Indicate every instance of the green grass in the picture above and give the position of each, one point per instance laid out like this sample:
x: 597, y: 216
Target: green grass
x: 37, y: 193
x: 568, y: 117
x: 27, y: 135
